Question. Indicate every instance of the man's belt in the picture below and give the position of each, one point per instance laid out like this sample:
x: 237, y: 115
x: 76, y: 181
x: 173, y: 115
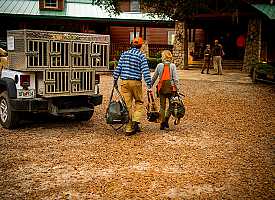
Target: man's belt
x: 132, y: 79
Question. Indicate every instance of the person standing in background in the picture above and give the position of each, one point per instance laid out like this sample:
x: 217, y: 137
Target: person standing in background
x: 207, y: 59
x: 217, y: 53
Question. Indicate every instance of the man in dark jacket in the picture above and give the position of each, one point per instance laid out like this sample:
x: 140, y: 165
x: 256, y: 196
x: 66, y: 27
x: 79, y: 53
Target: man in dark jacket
x: 207, y: 59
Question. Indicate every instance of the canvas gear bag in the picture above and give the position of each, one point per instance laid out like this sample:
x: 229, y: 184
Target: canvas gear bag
x: 117, y: 112
x: 176, y: 107
x: 164, y: 85
x: 152, y: 113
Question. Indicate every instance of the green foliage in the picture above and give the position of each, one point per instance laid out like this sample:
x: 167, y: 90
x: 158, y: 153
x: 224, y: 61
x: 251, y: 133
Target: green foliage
x: 158, y: 55
x: 264, y: 68
x: 113, y: 65
x: 263, y: 72
x: 112, y: 6
x: 153, y: 62
x: 174, y: 9
x: 117, y: 54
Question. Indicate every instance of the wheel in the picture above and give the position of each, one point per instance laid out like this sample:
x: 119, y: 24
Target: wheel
x: 8, y: 118
x: 84, y: 116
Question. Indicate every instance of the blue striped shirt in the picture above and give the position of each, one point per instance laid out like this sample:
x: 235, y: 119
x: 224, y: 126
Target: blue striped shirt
x: 131, y: 65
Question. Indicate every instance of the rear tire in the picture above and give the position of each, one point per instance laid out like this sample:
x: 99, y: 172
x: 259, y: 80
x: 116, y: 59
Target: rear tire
x: 8, y: 118
x: 85, y: 115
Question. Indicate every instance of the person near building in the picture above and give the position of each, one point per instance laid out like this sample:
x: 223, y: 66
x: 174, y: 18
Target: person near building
x: 207, y: 59
x: 166, y: 73
x: 217, y: 53
x: 131, y: 66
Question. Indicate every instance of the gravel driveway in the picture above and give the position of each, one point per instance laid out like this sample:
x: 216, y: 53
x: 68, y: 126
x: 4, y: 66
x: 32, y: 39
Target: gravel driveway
x: 222, y: 149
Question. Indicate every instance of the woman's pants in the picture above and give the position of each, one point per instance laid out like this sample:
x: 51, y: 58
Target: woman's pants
x: 164, y: 113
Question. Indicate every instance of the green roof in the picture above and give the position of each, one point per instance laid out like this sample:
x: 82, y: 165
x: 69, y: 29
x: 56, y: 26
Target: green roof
x: 81, y: 9
x: 267, y: 9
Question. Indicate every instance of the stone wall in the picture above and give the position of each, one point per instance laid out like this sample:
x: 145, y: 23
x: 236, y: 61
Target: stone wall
x: 145, y: 48
x: 178, y: 49
x: 253, y: 44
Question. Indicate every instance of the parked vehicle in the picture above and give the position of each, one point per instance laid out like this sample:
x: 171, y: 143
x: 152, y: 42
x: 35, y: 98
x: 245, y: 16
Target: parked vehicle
x: 52, y: 72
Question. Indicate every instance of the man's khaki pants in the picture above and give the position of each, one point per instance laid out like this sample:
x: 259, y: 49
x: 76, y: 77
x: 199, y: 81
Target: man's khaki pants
x: 217, y: 62
x: 132, y: 90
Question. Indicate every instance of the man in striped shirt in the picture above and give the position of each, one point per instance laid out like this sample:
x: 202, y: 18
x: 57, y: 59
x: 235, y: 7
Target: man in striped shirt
x: 131, y: 66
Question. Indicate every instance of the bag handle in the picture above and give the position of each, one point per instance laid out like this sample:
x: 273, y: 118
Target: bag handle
x: 150, y: 97
x: 119, y: 94
x: 123, y: 104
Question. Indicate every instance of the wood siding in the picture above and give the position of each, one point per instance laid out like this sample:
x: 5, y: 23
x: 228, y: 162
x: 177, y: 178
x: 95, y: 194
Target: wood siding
x: 120, y: 34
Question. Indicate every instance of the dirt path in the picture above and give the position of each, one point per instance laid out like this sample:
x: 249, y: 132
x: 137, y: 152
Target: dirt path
x: 221, y: 150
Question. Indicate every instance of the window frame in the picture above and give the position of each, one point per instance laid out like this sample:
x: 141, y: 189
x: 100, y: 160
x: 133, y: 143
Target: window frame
x: 51, y: 7
x: 133, y: 6
x: 132, y: 36
x: 171, y: 37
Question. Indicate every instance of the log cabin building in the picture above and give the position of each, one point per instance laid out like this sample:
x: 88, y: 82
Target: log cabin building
x: 250, y: 22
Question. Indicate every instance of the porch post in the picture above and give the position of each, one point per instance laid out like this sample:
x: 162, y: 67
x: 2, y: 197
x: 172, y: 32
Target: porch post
x: 140, y: 31
x: 144, y: 35
x: 145, y: 47
x: 135, y: 32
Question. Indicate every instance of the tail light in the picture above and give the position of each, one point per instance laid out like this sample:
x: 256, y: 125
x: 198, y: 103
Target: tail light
x: 97, y: 79
x: 25, y: 81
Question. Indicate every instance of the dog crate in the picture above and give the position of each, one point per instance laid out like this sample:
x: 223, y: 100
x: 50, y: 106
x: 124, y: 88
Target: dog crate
x: 67, y: 60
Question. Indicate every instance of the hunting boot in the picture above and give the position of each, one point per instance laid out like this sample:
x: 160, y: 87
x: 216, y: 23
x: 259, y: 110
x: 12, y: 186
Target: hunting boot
x: 166, y: 124
x: 162, y: 126
x: 136, y: 127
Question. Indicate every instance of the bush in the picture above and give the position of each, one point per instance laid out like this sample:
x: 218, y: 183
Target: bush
x: 263, y: 71
x: 265, y: 68
x: 112, y: 65
x: 153, y: 62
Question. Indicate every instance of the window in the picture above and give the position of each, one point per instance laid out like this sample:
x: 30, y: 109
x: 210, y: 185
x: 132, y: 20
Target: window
x: 51, y: 3
x: 135, y: 6
x: 171, y: 37
x: 132, y: 36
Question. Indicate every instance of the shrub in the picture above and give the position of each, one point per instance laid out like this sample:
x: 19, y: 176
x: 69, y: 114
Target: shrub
x: 112, y: 65
x: 153, y: 62
x: 263, y: 71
